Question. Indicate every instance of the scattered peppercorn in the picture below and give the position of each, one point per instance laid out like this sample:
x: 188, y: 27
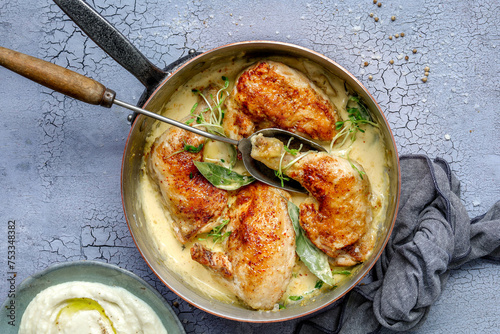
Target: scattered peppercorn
x: 365, y: 63
x: 397, y: 35
x: 427, y: 69
x: 414, y: 50
x: 379, y: 4
x: 402, y: 34
x: 406, y: 57
x: 424, y: 79
x: 374, y: 1
x: 376, y: 19
x: 391, y: 61
x: 371, y: 14
x: 370, y: 77
x: 393, y: 18
x: 426, y: 74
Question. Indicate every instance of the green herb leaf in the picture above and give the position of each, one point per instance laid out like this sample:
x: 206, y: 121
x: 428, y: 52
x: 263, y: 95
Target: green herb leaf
x: 213, y: 121
x: 362, y: 108
x: 282, y: 306
x: 190, y: 149
x: 313, y: 258
x: 319, y: 284
x: 226, y: 82
x: 358, y: 115
x: 354, y: 98
x: 290, y: 150
x: 193, y: 108
x: 341, y: 272
x: 193, y: 149
x: 279, y: 174
x: 216, y: 234
x: 295, y: 298
x: 221, y: 177
x: 360, y: 172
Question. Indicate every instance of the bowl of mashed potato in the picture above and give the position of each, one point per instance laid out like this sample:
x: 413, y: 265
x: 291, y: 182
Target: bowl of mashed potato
x: 87, y: 297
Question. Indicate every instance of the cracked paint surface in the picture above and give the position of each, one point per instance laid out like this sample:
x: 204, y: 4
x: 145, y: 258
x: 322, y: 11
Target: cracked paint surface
x: 60, y: 165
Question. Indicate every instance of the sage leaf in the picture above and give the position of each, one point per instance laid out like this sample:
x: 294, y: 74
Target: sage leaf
x: 313, y: 258
x: 221, y: 177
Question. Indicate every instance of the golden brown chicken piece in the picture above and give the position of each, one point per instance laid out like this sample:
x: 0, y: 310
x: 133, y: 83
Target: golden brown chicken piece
x: 272, y: 94
x: 194, y: 203
x: 355, y: 253
x: 338, y: 213
x: 260, y: 251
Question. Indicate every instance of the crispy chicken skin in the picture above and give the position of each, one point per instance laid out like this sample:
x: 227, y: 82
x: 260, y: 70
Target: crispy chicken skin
x: 271, y: 94
x: 260, y: 251
x: 338, y: 213
x: 355, y: 253
x: 194, y: 204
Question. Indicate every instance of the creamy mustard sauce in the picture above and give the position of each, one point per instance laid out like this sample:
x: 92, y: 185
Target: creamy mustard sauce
x: 368, y: 150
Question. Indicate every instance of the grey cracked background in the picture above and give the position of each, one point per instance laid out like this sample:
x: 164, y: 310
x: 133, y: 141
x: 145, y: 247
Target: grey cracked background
x: 60, y: 159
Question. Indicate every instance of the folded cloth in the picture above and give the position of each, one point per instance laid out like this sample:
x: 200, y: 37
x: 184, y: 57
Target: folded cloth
x: 432, y: 235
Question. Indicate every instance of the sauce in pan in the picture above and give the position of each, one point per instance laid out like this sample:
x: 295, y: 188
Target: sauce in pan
x: 368, y: 150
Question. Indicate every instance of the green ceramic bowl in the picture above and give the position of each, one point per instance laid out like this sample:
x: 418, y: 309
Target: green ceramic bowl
x: 89, y: 271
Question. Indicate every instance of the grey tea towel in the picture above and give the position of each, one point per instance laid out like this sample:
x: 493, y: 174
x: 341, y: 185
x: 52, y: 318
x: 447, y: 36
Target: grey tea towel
x: 432, y: 235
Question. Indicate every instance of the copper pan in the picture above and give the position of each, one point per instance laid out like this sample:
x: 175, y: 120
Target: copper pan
x: 160, y: 85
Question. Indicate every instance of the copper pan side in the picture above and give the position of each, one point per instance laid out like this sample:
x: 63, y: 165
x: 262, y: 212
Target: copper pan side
x: 131, y: 172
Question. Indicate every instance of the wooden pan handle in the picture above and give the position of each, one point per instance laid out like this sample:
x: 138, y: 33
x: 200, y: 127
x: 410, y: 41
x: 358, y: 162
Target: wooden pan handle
x: 57, y: 78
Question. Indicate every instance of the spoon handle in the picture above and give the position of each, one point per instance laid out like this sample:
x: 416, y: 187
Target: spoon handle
x: 57, y: 78
x: 81, y: 87
x: 175, y: 123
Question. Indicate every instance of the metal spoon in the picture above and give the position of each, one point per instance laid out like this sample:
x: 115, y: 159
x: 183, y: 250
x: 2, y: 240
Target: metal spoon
x: 88, y: 90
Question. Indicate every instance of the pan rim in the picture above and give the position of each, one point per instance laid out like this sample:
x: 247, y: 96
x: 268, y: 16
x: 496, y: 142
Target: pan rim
x: 395, y: 163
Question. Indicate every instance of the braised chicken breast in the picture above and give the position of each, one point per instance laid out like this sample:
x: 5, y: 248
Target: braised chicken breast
x: 338, y: 213
x: 272, y: 94
x: 194, y: 204
x: 260, y: 250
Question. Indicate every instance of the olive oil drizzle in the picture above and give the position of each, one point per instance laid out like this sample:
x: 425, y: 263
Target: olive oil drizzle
x: 74, y: 305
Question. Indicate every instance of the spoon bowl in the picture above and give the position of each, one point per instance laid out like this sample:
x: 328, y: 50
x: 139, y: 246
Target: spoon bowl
x: 263, y: 173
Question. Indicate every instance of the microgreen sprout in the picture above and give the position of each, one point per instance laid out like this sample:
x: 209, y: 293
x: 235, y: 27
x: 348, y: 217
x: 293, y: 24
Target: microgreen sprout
x: 292, y: 151
x: 360, y: 172
x: 192, y: 149
x: 188, y: 148
x: 350, y: 127
x: 213, y: 121
x: 281, y: 169
x: 216, y: 233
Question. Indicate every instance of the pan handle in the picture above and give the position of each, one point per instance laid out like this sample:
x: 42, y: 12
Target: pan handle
x: 112, y: 42
x: 57, y: 78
